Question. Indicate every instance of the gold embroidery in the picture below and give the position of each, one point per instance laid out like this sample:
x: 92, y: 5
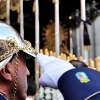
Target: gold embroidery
x: 13, y: 47
x: 84, y: 80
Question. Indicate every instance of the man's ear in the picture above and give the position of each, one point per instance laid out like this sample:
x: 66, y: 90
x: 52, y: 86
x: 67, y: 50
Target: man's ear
x: 7, y: 72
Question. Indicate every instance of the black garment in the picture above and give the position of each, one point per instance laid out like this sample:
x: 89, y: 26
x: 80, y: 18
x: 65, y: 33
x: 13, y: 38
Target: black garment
x: 79, y: 84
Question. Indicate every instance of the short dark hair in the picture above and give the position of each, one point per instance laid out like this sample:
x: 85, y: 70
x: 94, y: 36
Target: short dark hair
x: 78, y: 63
x: 31, y: 87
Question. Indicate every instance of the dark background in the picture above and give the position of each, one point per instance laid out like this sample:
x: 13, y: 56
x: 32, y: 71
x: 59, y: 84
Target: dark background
x: 46, y: 13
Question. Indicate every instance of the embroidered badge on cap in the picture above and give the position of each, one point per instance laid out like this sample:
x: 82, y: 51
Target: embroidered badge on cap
x: 82, y: 77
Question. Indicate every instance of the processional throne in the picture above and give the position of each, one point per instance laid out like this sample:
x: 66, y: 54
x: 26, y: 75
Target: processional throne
x: 49, y: 38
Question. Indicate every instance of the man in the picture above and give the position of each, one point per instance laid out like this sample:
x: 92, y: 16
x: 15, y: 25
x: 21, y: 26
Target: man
x: 13, y: 71
x: 74, y: 83
x: 31, y: 92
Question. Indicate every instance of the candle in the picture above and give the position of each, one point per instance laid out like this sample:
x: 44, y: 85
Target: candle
x: 71, y: 56
x: 68, y: 58
x: 65, y: 57
x: 62, y: 55
x: 92, y: 64
x: 46, y: 50
x: 41, y: 51
x: 47, y: 53
x: 97, y: 62
x: 76, y: 58
x: 59, y: 57
x: 98, y: 66
x: 81, y: 58
x: 54, y: 54
x: 51, y: 53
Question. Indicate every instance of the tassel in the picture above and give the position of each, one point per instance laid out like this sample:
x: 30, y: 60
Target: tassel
x: 86, y: 37
x: 87, y: 43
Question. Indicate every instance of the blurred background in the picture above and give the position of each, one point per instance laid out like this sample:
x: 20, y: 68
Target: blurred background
x: 21, y: 14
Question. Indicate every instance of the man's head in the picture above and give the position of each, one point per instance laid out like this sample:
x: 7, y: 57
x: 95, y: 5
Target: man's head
x: 78, y: 63
x: 8, y: 79
x: 13, y: 70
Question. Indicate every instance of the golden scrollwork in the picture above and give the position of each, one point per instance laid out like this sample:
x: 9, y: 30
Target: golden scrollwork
x: 14, y: 6
x: 3, y: 8
x: 49, y: 36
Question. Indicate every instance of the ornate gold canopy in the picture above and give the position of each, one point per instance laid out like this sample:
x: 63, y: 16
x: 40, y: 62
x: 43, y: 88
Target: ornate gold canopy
x: 49, y: 36
x: 14, y: 6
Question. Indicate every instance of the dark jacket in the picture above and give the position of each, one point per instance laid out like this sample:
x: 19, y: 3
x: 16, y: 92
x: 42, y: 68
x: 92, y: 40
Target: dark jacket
x: 2, y: 97
x: 80, y: 84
